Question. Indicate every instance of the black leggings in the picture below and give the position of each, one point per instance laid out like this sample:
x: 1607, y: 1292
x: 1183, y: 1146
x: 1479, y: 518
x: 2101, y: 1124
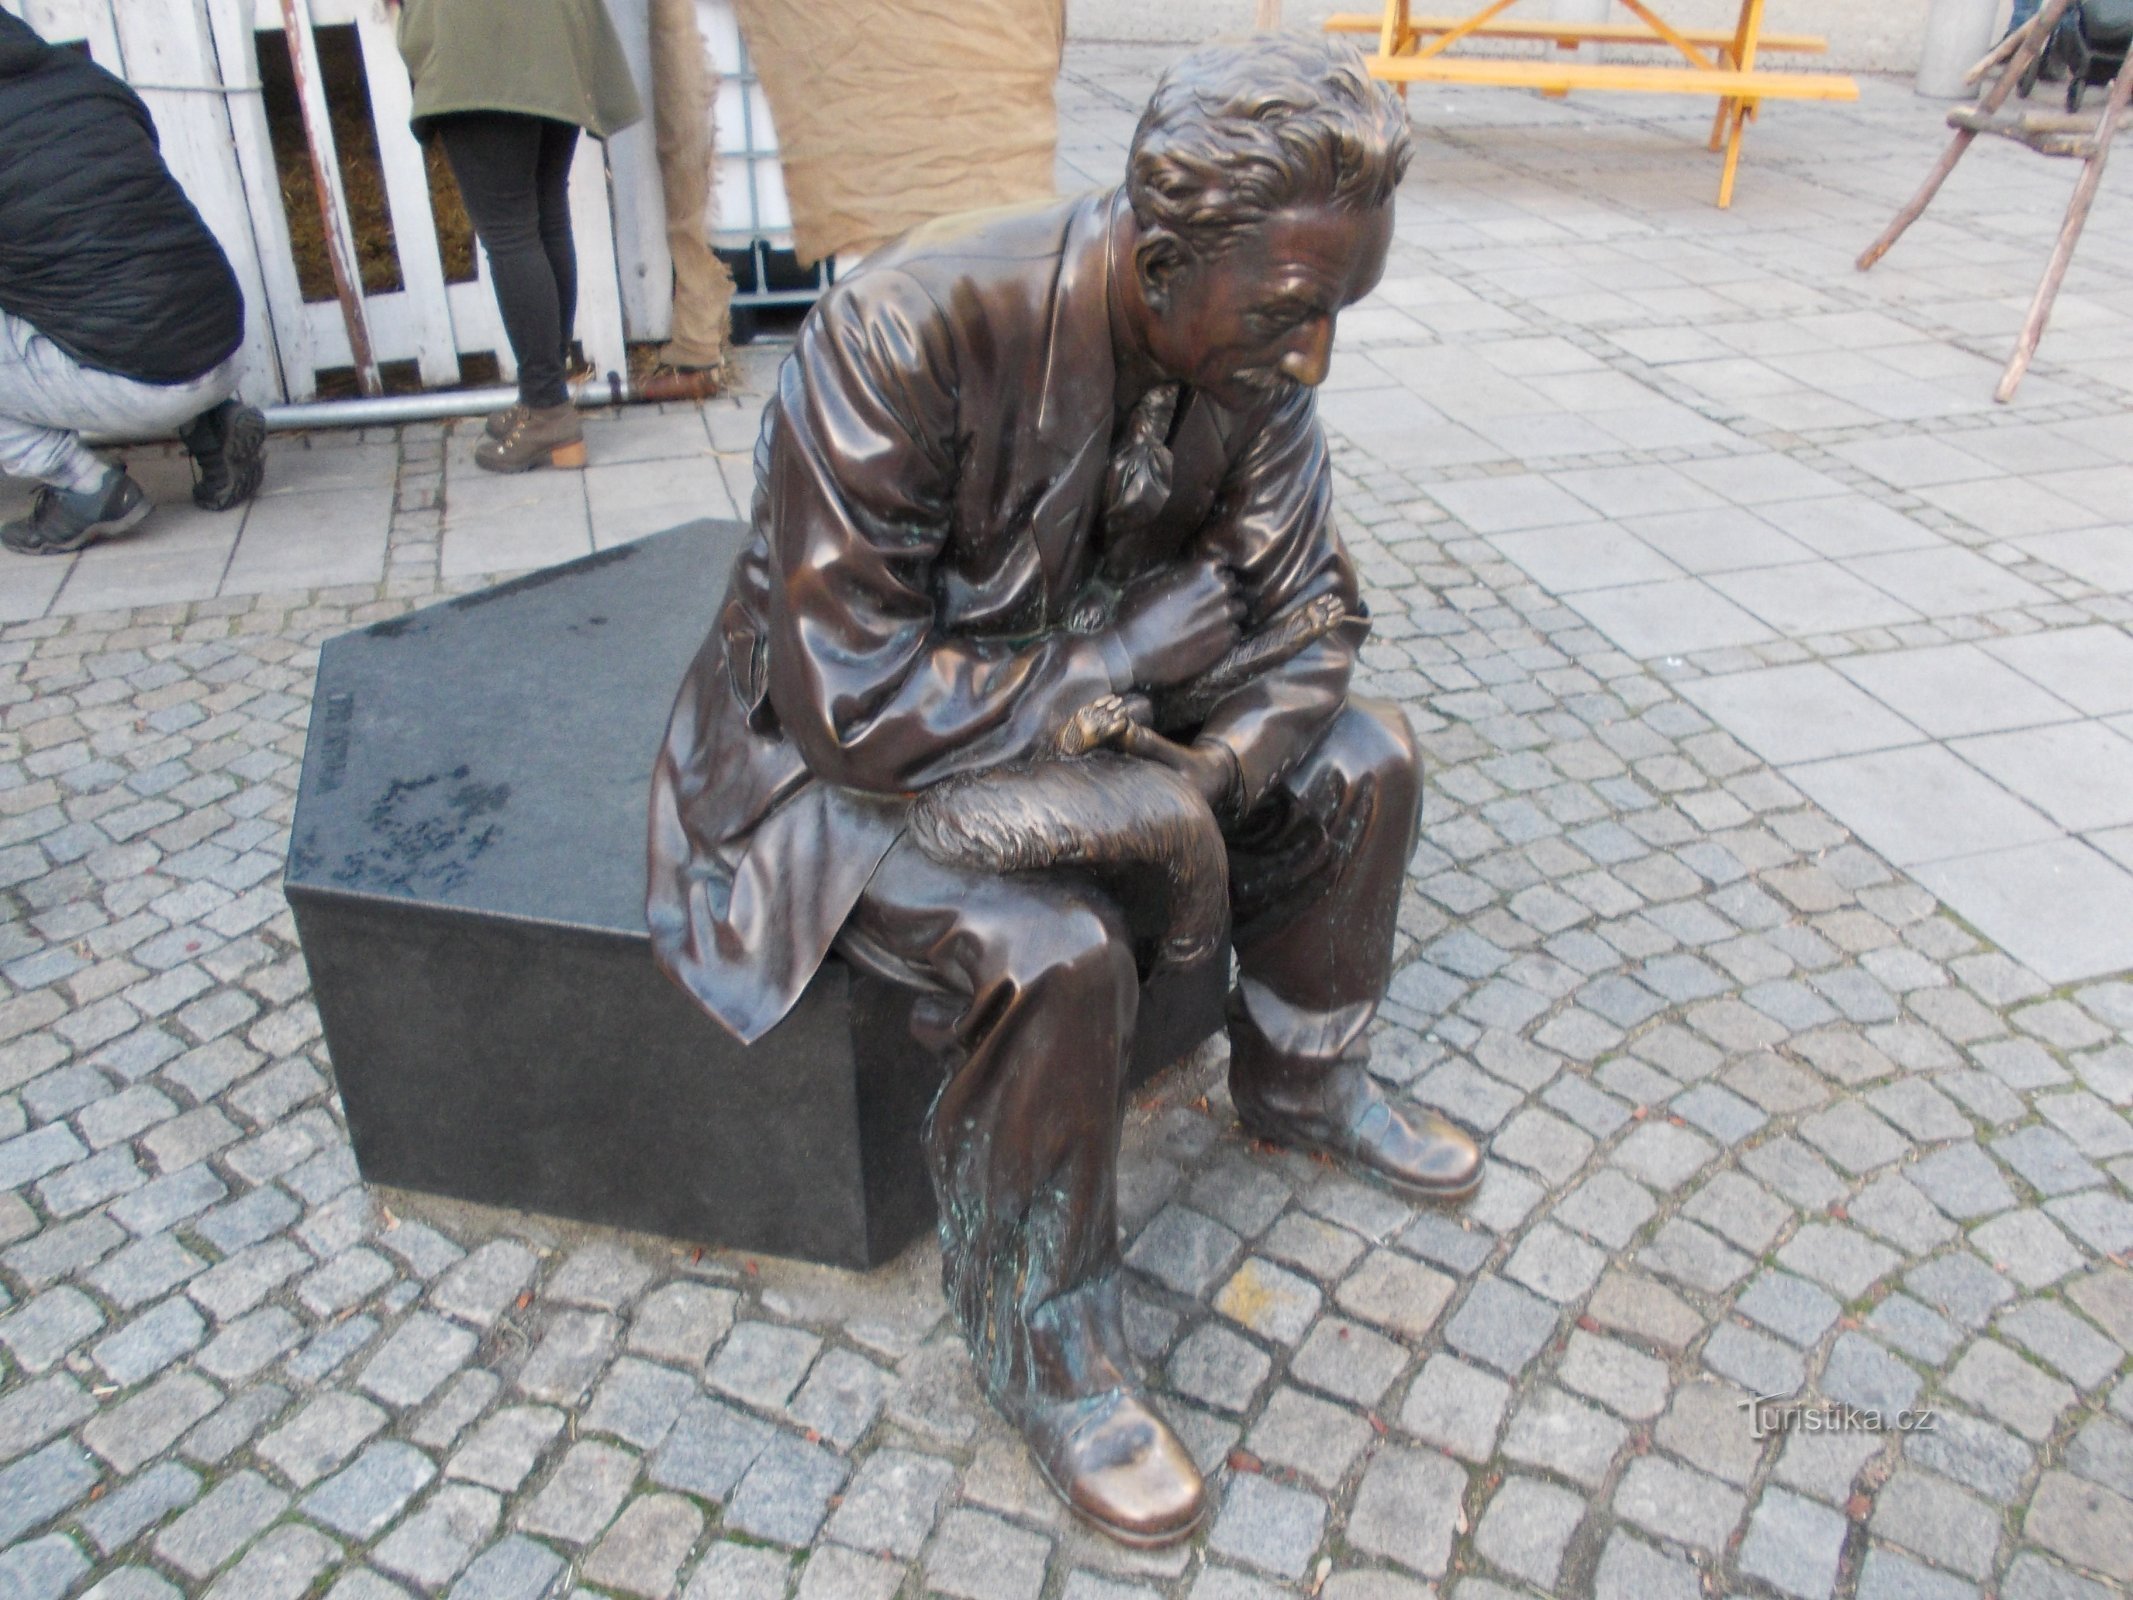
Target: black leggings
x: 514, y: 175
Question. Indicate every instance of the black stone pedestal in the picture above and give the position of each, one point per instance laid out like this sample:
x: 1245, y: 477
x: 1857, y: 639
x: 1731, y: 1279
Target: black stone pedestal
x: 467, y: 873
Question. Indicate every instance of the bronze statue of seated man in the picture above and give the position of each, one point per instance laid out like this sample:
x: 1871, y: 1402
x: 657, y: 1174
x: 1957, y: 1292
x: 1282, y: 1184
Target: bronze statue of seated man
x: 1045, y: 595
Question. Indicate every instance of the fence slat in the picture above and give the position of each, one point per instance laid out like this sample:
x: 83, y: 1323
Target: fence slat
x: 231, y: 25
x: 480, y: 323
x: 61, y: 21
x: 166, y: 43
x: 326, y: 176
x: 593, y: 229
x: 645, y: 267
x: 407, y: 194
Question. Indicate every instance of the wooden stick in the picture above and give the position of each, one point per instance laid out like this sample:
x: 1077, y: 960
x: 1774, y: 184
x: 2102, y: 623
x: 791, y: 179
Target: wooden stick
x: 2077, y: 216
x: 326, y: 184
x: 2007, y: 46
x: 2039, y: 29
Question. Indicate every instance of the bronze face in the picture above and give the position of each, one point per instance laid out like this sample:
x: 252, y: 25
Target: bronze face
x: 1241, y: 323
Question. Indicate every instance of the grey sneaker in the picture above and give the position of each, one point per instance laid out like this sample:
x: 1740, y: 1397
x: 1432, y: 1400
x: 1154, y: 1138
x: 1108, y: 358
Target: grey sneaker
x: 62, y: 521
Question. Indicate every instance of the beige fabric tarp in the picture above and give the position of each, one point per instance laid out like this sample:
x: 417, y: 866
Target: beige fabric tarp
x: 684, y: 90
x: 892, y: 112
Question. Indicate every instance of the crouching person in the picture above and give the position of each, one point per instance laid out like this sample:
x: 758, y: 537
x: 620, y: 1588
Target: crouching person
x: 118, y: 310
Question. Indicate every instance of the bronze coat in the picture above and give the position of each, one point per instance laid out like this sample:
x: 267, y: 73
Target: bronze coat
x: 929, y: 490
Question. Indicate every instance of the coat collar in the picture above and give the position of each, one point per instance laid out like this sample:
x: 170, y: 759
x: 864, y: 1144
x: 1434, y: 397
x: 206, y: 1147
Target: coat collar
x: 1080, y: 365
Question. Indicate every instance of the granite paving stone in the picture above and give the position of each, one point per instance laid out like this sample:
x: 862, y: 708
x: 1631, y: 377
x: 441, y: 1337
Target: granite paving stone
x: 1554, y: 1431
x: 1268, y: 1526
x: 1973, y: 1453
x: 43, y: 1569
x: 1348, y: 1360
x: 977, y: 1556
x: 514, y: 1568
x: 644, y: 1550
x: 785, y: 1493
x: 1309, y: 1436
x: 584, y: 1493
x: 892, y: 1502
x: 1791, y: 1307
x: 680, y: 1322
x: 1677, y: 1503
x: 2061, y: 1340
x: 369, y: 1493
x: 2004, y: 1386
x: 282, y: 1566
x: 1218, y: 1368
x: 219, y: 1524
x: 1456, y: 1407
x: 145, y: 1500
x: 430, y: 1546
x: 320, y: 1437
x: 730, y: 1571
x: 1938, y: 1522
x: 762, y: 1363
x: 1793, y: 1545
x: 504, y: 1448
x: 1406, y: 1509
x: 1526, y: 1527
x: 1704, y: 1427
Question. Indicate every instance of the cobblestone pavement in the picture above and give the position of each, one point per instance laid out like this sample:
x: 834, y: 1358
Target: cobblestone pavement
x: 1768, y: 1120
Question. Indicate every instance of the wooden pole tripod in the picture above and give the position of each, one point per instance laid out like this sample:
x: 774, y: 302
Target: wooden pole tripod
x: 2047, y: 133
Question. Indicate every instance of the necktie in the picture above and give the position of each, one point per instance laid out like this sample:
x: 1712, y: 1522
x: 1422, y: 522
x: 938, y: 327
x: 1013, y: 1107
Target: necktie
x: 1137, y: 483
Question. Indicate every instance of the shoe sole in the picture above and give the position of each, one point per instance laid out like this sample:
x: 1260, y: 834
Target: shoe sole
x: 244, y: 457
x: 89, y: 535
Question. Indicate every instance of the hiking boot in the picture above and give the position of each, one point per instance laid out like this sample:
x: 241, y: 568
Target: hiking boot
x: 548, y: 437
x: 502, y: 422
x: 64, y: 520
x: 228, y: 444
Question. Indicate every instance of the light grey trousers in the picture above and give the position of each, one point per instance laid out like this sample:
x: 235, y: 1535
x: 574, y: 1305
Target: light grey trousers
x: 48, y: 400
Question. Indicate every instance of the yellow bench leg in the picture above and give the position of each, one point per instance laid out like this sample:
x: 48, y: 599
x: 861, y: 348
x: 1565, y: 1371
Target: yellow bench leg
x: 1742, y: 110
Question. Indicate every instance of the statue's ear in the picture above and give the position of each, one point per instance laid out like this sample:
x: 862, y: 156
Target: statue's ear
x: 1157, y: 257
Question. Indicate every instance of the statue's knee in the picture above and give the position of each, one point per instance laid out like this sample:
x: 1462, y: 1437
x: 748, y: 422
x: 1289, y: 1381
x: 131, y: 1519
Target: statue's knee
x: 1080, y: 950
x: 1374, y: 741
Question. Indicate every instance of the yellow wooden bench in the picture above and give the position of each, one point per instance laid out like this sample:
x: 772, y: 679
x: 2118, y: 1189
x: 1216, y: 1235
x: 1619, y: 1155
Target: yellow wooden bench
x: 1569, y: 35
x: 1414, y: 49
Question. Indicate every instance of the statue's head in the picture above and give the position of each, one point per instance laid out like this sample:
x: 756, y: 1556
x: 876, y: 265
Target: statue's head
x: 1261, y: 180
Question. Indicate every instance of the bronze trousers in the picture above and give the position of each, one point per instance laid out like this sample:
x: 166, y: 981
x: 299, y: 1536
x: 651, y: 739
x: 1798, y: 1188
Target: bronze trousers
x: 1028, y: 987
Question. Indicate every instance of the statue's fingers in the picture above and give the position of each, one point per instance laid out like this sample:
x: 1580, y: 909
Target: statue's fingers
x: 1152, y: 746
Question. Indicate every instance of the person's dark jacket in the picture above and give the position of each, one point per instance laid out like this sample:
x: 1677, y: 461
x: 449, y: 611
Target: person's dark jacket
x: 100, y: 250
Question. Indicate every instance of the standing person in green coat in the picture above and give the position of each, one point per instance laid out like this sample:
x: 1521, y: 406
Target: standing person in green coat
x: 507, y: 85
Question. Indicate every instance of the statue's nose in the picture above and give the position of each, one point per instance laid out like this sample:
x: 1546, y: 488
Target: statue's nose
x: 1311, y: 357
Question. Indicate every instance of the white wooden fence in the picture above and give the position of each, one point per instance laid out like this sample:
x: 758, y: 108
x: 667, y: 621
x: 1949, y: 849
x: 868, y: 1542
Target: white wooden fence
x: 193, y: 62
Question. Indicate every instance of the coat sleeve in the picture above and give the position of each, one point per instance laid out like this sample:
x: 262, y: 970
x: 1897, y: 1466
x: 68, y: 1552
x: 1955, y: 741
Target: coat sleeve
x: 1273, y: 525
x: 860, y: 487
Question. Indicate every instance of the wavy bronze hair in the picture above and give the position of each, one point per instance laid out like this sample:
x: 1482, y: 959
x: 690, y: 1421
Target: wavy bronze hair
x: 1243, y: 129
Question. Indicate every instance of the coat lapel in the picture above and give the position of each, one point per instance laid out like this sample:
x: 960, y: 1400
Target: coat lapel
x: 1078, y: 373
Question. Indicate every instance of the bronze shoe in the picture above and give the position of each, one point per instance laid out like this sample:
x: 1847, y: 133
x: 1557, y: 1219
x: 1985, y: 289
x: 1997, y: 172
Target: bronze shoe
x: 1118, y: 1467
x: 1416, y: 1151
